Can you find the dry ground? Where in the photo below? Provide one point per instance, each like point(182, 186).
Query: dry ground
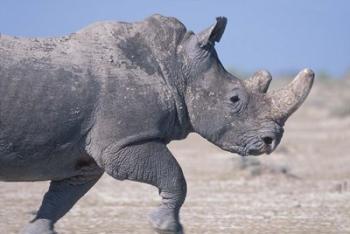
point(304, 187)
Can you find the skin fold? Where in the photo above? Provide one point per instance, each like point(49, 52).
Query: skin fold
point(110, 97)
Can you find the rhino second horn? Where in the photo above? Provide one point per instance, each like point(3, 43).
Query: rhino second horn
point(288, 99)
point(259, 82)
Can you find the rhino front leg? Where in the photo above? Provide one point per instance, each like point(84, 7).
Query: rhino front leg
point(153, 163)
point(60, 198)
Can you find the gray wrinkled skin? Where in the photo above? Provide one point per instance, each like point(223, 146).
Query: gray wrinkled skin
point(111, 96)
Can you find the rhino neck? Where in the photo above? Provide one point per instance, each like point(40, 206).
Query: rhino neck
point(164, 34)
point(176, 83)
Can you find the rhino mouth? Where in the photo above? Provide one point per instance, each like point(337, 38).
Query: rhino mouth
point(258, 148)
point(240, 150)
point(254, 152)
point(257, 152)
point(247, 150)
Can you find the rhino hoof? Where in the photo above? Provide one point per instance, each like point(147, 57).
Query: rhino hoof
point(164, 222)
point(39, 226)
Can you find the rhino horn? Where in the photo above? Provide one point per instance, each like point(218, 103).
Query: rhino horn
point(259, 82)
point(288, 99)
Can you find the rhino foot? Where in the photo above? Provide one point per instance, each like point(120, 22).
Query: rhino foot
point(39, 226)
point(165, 221)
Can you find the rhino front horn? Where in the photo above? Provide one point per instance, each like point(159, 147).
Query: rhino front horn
point(288, 99)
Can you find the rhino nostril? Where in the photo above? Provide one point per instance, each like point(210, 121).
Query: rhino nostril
point(267, 140)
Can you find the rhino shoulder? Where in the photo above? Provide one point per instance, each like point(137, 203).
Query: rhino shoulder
point(168, 21)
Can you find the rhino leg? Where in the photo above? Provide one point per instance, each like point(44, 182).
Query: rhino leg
point(60, 198)
point(152, 163)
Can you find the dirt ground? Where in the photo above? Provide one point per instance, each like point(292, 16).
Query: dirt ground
point(303, 187)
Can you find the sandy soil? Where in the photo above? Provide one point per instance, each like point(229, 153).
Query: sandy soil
point(303, 187)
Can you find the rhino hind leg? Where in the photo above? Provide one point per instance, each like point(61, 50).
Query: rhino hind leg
point(152, 163)
point(58, 200)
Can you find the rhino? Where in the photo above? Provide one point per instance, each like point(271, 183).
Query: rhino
point(110, 97)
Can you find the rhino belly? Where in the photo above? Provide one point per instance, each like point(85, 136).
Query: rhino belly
point(57, 165)
point(43, 154)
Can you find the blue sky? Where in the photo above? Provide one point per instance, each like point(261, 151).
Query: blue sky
point(278, 35)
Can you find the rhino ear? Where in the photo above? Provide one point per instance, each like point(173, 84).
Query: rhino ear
point(214, 33)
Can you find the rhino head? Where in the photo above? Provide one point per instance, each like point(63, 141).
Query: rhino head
point(239, 116)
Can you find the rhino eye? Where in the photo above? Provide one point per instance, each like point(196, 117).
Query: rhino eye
point(234, 99)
